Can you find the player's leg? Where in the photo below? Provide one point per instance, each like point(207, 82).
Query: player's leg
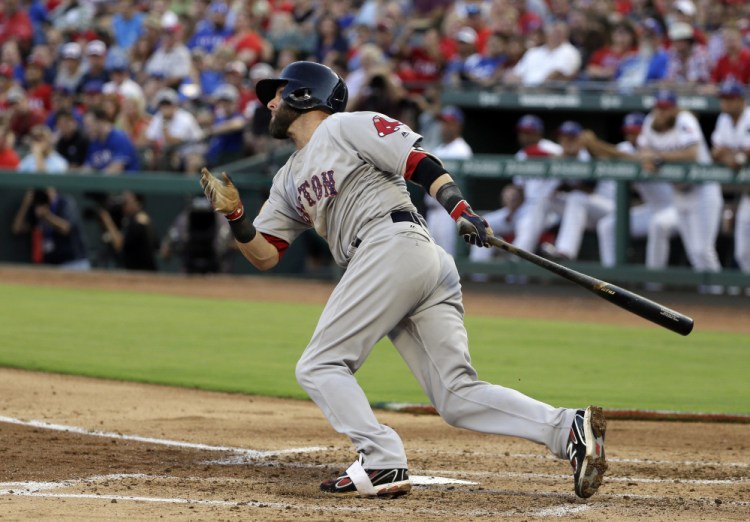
point(531, 222)
point(742, 234)
point(661, 228)
point(700, 218)
point(382, 284)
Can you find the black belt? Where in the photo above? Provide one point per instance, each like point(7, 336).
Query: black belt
point(398, 216)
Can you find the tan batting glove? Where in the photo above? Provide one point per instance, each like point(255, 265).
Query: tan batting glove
point(222, 193)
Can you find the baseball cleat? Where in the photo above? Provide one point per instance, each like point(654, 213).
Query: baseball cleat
point(586, 450)
point(383, 483)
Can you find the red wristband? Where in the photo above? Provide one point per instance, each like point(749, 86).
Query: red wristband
point(236, 214)
point(458, 209)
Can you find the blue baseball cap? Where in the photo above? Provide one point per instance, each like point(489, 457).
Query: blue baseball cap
point(665, 98)
point(530, 123)
point(570, 128)
point(633, 122)
point(451, 113)
point(731, 89)
point(650, 24)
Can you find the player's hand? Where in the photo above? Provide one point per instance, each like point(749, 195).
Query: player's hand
point(222, 193)
point(473, 228)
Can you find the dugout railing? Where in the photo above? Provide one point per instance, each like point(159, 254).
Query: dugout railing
point(481, 178)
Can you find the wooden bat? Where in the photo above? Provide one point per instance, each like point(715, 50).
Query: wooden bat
point(632, 302)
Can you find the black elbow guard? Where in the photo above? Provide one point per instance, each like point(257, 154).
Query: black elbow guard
point(427, 171)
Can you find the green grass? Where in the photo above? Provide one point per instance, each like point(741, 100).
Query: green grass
point(251, 347)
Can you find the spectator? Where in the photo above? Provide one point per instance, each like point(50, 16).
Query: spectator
point(43, 158)
point(134, 120)
point(235, 74)
point(735, 61)
point(452, 147)
point(110, 150)
point(22, 117)
point(38, 92)
point(55, 226)
point(246, 41)
point(134, 241)
point(213, 34)
point(670, 134)
point(605, 61)
point(684, 11)
point(583, 205)
point(227, 132)
point(174, 134)
point(421, 60)
point(71, 69)
point(172, 58)
point(371, 62)
point(649, 64)
point(731, 147)
point(556, 60)
point(15, 24)
point(96, 73)
point(486, 69)
point(330, 39)
point(688, 60)
point(6, 83)
point(120, 82)
point(63, 99)
point(127, 24)
point(92, 95)
point(72, 143)
point(535, 215)
point(456, 70)
point(9, 159)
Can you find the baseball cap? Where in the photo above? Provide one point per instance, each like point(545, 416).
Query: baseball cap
point(665, 98)
point(261, 71)
point(473, 9)
point(166, 96)
point(530, 123)
point(226, 92)
point(451, 113)
point(118, 63)
point(651, 25)
point(71, 51)
point(570, 128)
point(15, 94)
point(686, 7)
point(219, 8)
point(96, 48)
point(731, 89)
point(170, 22)
point(236, 66)
point(633, 122)
point(93, 87)
point(681, 31)
point(466, 35)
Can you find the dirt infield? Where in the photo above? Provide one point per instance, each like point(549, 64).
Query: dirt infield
point(75, 448)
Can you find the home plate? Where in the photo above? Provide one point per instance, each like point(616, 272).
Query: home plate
point(421, 480)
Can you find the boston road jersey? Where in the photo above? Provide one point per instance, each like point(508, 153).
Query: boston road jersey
point(349, 173)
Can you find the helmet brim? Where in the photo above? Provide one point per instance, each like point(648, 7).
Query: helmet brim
point(266, 89)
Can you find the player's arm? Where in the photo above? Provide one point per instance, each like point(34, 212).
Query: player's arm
point(426, 170)
point(602, 149)
point(225, 199)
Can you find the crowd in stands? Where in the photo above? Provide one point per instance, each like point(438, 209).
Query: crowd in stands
point(121, 86)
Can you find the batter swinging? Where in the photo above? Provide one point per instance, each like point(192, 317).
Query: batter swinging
point(347, 181)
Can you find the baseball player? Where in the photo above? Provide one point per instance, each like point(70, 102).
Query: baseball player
point(655, 218)
point(452, 147)
point(731, 146)
point(672, 134)
point(538, 193)
point(347, 180)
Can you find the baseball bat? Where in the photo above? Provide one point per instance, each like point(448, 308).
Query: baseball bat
point(632, 302)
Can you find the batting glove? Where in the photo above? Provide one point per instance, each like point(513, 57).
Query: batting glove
point(472, 227)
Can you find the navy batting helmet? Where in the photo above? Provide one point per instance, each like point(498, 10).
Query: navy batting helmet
point(308, 85)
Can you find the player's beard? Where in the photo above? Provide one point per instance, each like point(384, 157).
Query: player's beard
point(280, 122)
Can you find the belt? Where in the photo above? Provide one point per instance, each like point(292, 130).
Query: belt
point(398, 216)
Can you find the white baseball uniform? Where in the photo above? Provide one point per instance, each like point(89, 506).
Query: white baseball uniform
point(699, 205)
point(736, 136)
point(655, 219)
point(441, 224)
point(538, 194)
point(348, 184)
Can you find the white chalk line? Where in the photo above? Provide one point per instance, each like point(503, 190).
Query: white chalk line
point(164, 442)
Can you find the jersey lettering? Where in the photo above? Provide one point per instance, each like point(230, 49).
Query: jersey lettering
point(385, 126)
point(319, 187)
point(302, 189)
point(329, 183)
